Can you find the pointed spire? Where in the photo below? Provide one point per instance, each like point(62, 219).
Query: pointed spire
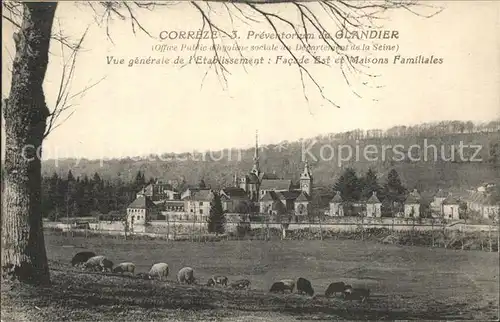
point(256, 168)
point(307, 171)
point(256, 153)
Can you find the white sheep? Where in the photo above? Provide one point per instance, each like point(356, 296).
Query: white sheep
point(159, 270)
point(122, 268)
point(289, 284)
point(186, 275)
point(93, 263)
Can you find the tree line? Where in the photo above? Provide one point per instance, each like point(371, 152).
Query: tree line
point(358, 189)
point(71, 196)
point(424, 129)
point(354, 188)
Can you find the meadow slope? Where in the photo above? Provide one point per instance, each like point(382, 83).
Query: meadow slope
point(406, 282)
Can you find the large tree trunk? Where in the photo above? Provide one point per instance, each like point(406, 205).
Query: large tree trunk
point(23, 248)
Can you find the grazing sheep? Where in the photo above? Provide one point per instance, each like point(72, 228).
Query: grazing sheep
point(93, 263)
point(81, 257)
point(122, 268)
point(159, 270)
point(217, 280)
point(278, 287)
point(240, 284)
point(289, 284)
point(335, 288)
point(361, 294)
point(186, 275)
point(304, 286)
point(106, 265)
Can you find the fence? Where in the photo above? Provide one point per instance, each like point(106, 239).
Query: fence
point(458, 235)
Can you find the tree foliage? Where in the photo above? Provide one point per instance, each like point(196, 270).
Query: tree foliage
point(216, 219)
point(393, 188)
point(370, 185)
point(72, 197)
point(349, 185)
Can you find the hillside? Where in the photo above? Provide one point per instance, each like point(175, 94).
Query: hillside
point(417, 169)
point(406, 283)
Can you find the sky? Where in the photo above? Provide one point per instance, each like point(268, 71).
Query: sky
point(180, 108)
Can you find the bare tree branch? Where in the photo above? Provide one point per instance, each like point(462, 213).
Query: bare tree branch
point(64, 96)
point(347, 15)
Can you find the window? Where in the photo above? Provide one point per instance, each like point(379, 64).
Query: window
point(201, 211)
point(201, 203)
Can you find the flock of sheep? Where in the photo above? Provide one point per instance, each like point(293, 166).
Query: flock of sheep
point(91, 261)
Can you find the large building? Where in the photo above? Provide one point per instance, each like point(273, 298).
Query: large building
point(275, 195)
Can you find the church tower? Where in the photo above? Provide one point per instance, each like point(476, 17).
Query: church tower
point(256, 167)
point(306, 179)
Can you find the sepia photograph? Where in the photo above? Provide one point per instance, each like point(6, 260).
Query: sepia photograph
point(250, 160)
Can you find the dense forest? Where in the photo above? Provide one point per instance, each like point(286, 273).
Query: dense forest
point(83, 196)
point(445, 171)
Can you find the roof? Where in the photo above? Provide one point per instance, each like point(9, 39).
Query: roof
point(415, 194)
point(269, 196)
point(411, 199)
point(268, 176)
point(387, 202)
point(174, 203)
point(289, 195)
point(303, 197)
point(200, 195)
point(337, 198)
point(278, 206)
point(142, 202)
point(441, 194)
point(191, 189)
point(450, 201)
point(234, 192)
point(373, 199)
point(148, 189)
point(275, 184)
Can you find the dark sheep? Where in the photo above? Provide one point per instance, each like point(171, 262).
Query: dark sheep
point(304, 286)
point(106, 265)
point(218, 280)
point(334, 288)
point(360, 294)
point(278, 287)
point(240, 284)
point(81, 258)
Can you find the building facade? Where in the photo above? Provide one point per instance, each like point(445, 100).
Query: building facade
point(272, 194)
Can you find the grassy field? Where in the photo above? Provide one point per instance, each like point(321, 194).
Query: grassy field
point(406, 282)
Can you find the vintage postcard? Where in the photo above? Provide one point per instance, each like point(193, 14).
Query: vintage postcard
point(265, 160)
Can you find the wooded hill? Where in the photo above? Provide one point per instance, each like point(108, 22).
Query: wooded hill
point(285, 159)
